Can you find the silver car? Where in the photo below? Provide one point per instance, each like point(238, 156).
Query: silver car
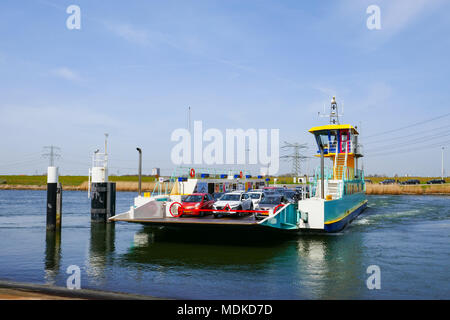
point(236, 200)
point(268, 203)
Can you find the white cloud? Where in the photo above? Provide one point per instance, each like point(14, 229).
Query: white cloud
point(66, 73)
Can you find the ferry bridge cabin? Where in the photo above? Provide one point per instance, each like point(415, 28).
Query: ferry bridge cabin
point(340, 144)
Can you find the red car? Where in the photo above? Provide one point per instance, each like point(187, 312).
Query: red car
point(194, 203)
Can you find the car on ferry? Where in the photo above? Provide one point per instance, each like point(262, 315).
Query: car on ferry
point(195, 204)
point(217, 195)
point(273, 189)
point(256, 196)
point(236, 200)
point(269, 204)
point(291, 196)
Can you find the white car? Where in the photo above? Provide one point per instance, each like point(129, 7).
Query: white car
point(236, 200)
point(256, 197)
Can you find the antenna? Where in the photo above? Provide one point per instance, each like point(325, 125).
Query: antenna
point(51, 154)
point(334, 112)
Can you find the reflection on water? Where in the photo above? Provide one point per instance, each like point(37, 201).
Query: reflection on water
point(203, 249)
point(52, 255)
point(318, 266)
point(331, 263)
point(101, 248)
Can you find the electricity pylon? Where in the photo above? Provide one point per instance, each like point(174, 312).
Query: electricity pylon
point(52, 154)
point(294, 154)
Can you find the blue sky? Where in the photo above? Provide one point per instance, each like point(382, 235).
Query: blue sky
point(134, 67)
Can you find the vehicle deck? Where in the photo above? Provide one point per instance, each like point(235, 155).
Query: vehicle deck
point(209, 220)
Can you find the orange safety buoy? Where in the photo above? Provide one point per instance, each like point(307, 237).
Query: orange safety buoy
point(192, 173)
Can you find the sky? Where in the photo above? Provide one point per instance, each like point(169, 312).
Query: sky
point(134, 67)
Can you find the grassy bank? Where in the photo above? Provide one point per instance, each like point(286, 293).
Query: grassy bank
point(423, 180)
point(65, 180)
point(408, 189)
point(41, 180)
point(130, 183)
point(23, 182)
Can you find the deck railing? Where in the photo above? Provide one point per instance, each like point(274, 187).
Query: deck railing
point(286, 218)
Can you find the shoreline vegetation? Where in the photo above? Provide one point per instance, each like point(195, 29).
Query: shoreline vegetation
point(130, 183)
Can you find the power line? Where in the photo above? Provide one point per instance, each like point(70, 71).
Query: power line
point(414, 141)
point(408, 126)
point(411, 134)
point(413, 149)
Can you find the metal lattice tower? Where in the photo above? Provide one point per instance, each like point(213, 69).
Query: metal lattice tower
point(51, 154)
point(294, 155)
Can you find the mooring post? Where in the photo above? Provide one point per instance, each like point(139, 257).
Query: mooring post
point(103, 201)
point(110, 200)
point(53, 221)
point(59, 205)
point(103, 193)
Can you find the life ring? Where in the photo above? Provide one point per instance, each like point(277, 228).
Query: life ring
point(240, 174)
point(179, 210)
point(192, 173)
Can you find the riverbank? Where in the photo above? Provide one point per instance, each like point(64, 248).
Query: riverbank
point(395, 189)
point(10, 290)
point(130, 184)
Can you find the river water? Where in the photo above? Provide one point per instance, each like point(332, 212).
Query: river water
point(407, 237)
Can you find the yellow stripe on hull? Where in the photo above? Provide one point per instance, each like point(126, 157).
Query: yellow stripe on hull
point(350, 211)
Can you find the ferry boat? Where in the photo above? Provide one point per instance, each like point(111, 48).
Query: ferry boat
point(335, 197)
